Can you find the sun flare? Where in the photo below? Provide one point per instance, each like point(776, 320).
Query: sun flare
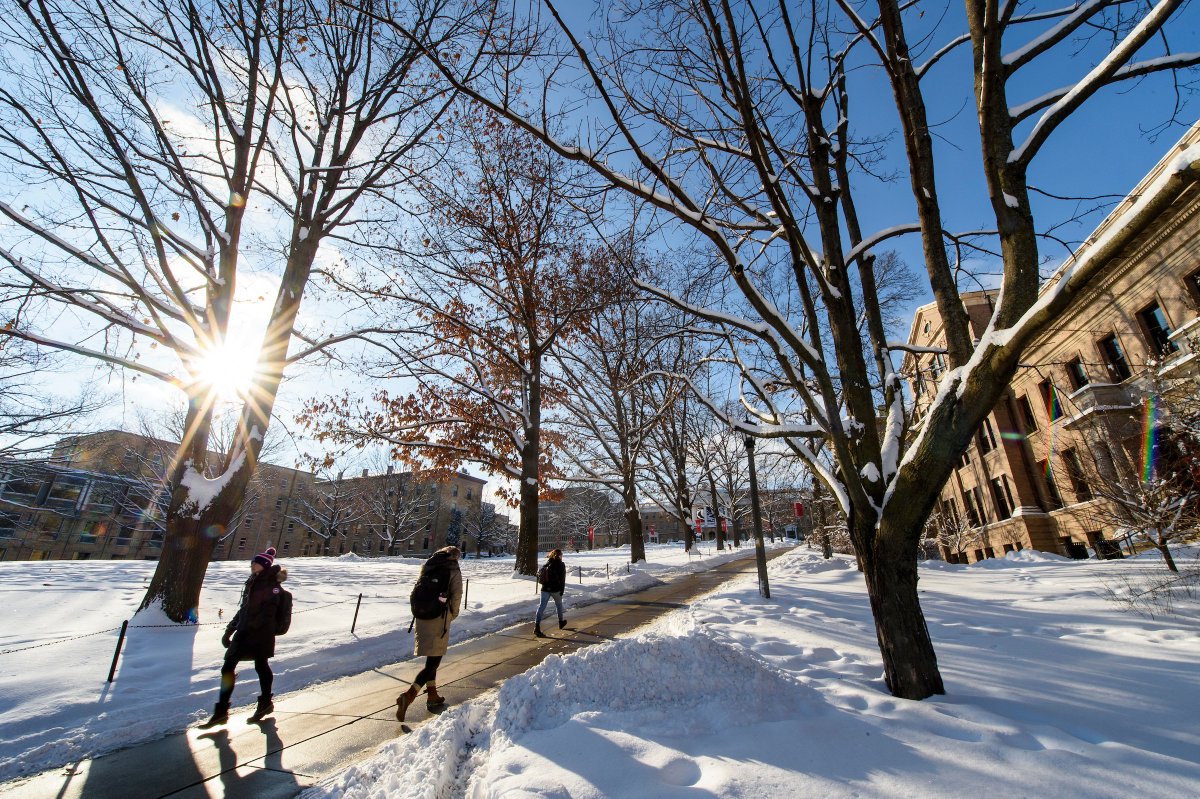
point(228, 370)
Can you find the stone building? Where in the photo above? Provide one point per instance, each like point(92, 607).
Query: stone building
point(102, 496)
point(1074, 412)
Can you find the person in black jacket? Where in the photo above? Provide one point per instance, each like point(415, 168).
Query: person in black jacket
point(250, 635)
point(553, 577)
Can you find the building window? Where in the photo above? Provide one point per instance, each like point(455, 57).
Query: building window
point(1075, 473)
point(1076, 374)
point(454, 490)
point(1193, 285)
point(468, 493)
point(1003, 497)
point(1051, 488)
point(279, 503)
point(939, 366)
point(291, 527)
point(1027, 416)
point(1156, 329)
point(1114, 358)
point(972, 511)
point(283, 482)
point(286, 546)
point(964, 460)
point(1050, 399)
point(241, 545)
point(986, 438)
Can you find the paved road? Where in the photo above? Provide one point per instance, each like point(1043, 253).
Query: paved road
point(323, 729)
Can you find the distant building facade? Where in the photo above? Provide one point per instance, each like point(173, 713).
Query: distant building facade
point(103, 496)
point(1074, 407)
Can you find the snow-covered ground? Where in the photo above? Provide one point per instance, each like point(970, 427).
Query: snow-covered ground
point(1052, 691)
point(59, 623)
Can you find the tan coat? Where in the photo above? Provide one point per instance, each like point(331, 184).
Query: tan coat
point(432, 636)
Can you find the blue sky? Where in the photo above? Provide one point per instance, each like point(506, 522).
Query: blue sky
point(1103, 150)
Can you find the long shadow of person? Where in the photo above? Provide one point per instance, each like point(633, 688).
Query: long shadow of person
point(244, 772)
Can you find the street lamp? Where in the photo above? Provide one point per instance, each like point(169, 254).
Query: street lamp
point(760, 549)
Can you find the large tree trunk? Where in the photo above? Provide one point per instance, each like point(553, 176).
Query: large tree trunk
point(909, 663)
point(633, 517)
point(192, 533)
point(527, 535)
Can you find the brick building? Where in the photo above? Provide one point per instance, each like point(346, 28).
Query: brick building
point(102, 496)
point(1074, 410)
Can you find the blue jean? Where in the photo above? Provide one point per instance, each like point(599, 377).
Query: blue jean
point(546, 597)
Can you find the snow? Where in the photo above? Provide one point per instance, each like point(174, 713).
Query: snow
point(61, 621)
point(870, 473)
point(1053, 691)
point(201, 490)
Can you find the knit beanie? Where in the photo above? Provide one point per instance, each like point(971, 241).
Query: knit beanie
point(265, 559)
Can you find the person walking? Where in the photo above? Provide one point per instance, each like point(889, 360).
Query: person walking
point(264, 610)
point(435, 600)
point(553, 579)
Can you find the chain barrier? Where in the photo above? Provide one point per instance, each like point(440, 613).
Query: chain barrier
point(376, 598)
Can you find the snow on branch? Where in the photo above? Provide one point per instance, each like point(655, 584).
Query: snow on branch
point(1137, 70)
point(1099, 76)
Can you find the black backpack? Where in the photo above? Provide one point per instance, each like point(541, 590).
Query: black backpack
point(543, 574)
point(283, 612)
point(428, 597)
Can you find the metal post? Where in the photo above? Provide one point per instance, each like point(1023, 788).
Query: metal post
point(607, 572)
point(120, 640)
point(356, 607)
point(581, 575)
point(760, 550)
point(466, 591)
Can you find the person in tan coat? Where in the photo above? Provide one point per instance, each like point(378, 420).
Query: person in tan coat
point(441, 581)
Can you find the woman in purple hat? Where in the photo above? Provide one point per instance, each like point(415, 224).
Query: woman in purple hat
point(250, 635)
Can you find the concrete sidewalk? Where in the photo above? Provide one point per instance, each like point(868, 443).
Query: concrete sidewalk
point(322, 729)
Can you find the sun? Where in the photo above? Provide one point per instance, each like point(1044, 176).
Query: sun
point(228, 370)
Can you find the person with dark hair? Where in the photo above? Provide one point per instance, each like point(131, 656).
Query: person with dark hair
point(435, 600)
point(553, 579)
point(250, 634)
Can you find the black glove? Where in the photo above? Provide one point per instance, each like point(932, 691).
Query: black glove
point(227, 639)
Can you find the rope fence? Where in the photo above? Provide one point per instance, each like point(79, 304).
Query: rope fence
point(359, 600)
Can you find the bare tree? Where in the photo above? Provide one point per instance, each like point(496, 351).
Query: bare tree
point(508, 279)
point(1152, 494)
point(952, 533)
point(733, 118)
point(310, 116)
point(400, 507)
point(616, 390)
point(488, 529)
point(329, 511)
point(30, 416)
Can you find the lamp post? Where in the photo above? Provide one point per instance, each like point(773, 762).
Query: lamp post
point(760, 549)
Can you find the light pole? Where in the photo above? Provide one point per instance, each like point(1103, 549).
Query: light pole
point(760, 549)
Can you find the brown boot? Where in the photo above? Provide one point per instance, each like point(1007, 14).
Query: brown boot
point(404, 700)
point(434, 700)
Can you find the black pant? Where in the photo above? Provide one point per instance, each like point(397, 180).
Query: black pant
point(229, 675)
point(429, 673)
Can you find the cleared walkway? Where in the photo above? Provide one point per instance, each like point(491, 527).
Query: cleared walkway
point(323, 729)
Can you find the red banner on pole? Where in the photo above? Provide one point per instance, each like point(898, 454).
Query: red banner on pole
point(799, 510)
point(591, 534)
